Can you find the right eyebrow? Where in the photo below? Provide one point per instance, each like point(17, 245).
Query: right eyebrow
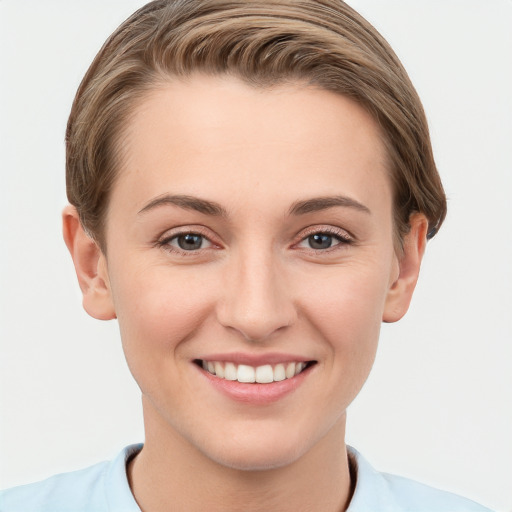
point(186, 202)
point(317, 204)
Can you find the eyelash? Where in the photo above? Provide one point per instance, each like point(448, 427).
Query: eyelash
point(165, 243)
point(342, 237)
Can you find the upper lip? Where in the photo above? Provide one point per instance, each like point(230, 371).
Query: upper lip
point(255, 359)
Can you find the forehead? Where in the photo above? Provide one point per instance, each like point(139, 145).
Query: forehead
point(217, 134)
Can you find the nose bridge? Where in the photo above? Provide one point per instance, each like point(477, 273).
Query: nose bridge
point(256, 301)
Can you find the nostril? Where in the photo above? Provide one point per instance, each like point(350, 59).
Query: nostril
point(257, 309)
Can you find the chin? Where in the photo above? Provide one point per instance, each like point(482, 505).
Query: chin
point(256, 459)
point(257, 452)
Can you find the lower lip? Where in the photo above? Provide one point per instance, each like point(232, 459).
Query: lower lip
point(254, 393)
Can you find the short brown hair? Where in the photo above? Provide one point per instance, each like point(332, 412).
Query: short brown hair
point(324, 43)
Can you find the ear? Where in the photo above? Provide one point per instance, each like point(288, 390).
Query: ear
point(401, 290)
point(90, 265)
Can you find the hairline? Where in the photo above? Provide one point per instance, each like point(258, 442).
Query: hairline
point(161, 79)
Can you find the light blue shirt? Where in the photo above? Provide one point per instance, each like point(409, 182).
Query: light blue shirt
point(104, 488)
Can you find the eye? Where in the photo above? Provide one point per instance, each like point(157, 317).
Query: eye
point(323, 240)
point(188, 242)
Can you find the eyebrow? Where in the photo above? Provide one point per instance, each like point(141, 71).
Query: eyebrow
point(212, 208)
point(323, 203)
point(188, 203)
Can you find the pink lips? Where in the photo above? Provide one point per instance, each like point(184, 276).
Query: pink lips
point(254, 393)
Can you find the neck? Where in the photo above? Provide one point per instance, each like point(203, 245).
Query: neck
point(169, 472)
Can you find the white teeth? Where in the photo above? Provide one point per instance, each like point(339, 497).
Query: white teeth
point(290, 370)
point(279, 372)
point(219, 370)
point(230, 371)
point(246, 373)
point(264, 374)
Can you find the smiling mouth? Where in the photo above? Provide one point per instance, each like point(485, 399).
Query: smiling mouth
point(264, 374)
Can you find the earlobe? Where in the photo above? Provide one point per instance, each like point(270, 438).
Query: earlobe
point(90, 266)
point(401, 290)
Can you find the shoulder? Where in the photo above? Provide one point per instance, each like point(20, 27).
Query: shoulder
point(391, 493)
point(68, 491)
point(97, 488)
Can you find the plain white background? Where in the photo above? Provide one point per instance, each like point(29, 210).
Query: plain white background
point(438, 405)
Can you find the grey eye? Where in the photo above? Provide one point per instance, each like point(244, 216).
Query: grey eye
point(320, 241)
point(189, 242)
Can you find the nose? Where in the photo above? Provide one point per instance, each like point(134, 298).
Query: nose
point(256, 299)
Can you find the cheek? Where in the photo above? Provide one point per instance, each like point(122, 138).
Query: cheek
point(158, 308)
point(347, 300)
point(345, 308)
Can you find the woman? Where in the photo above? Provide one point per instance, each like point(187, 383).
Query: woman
point(252, 188)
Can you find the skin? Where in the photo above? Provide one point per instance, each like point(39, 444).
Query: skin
point(255, 286)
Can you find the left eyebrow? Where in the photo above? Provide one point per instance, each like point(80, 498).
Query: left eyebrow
point(317, 204)
point(187, 203)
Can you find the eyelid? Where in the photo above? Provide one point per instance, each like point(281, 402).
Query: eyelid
point(170, 234)
point(343, 235)
point(175, 238)
point(328, 230)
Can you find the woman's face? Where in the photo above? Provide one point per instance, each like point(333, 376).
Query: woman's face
point(250, 231)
